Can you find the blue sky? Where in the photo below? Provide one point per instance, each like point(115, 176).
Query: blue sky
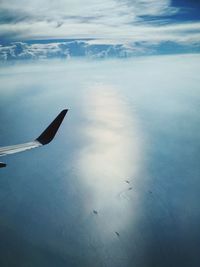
point(106, 21)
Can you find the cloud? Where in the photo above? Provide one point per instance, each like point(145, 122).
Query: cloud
point(151, 7)
point(92, 48)
point(138, 21)
point(179, 32)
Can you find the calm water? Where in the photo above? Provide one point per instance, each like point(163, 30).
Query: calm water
point(128, 149)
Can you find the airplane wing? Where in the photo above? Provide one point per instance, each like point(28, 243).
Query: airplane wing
point(45, 138)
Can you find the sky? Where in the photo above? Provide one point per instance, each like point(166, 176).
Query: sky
point(113, 21)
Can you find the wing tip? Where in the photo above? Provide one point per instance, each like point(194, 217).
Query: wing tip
point(64, 111)
point(49, 133)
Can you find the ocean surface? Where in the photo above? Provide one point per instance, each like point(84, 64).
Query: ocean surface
point(120, 184)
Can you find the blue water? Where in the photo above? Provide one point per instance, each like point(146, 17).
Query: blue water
point(129, 148)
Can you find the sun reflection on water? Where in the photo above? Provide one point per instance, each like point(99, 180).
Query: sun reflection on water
point(111, 155)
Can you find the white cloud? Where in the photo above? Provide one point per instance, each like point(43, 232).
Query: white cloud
point(180, 32)
point(110, 19)
point(151, 7)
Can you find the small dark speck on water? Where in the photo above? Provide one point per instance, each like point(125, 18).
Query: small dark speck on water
point(95, 212)
point(117, 233)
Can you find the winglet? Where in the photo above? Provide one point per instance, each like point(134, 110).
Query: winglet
point(49, 133)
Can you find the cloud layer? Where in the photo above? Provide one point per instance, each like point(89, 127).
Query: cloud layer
point(93, 48)
point(149, 21)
